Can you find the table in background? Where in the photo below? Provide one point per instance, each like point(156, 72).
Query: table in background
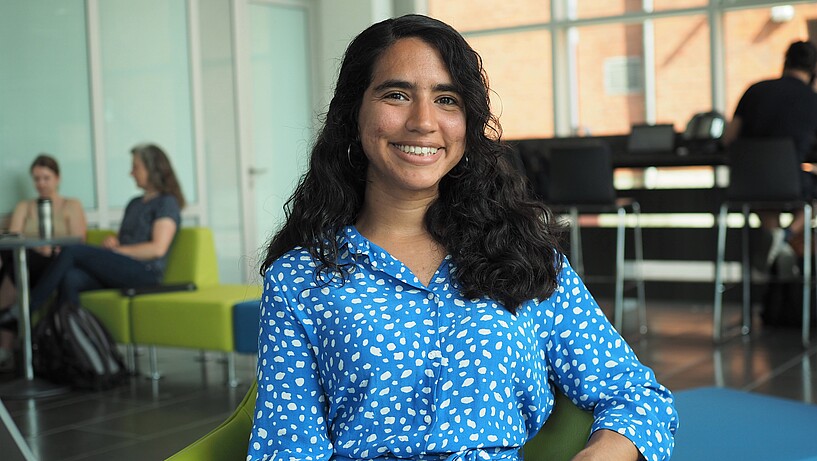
point(28, 386)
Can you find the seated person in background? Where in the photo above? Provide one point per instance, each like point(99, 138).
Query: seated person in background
point(136, 258)
point(416, 305)
point(783, 107)
point(68, 221)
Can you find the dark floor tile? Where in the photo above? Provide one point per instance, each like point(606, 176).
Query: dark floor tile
point(64, 445)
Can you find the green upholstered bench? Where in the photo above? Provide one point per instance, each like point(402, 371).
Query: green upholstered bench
point(198, 319)
point(563, 435)
point(192, 259)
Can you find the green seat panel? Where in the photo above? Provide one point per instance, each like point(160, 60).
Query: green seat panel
point(200, 319)
point(112, 309)
point(563, 435)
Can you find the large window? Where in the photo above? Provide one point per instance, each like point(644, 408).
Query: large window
point(683, 82)
point(519, 72)
point(621, 62)
point(44, 93)
point(756, 41)
point(146, 89)
point(610, 78)
point(489, 14)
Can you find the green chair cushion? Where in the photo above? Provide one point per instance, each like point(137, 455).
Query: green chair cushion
point(200, 319)
point(228, 441)
point(564, 434)
point(112, 309)
point(192, 258)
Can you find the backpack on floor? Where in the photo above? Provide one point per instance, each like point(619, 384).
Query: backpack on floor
point(71, 346)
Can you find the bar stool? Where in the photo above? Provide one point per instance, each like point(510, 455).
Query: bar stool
point(581, 182)
point(764, 175)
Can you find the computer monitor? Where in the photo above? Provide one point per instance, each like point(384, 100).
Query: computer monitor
point(651, 139)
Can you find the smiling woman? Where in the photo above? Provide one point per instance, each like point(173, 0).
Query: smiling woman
point(412, 124)
point(416, 303)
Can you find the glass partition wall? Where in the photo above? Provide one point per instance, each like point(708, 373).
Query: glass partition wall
point(86, 80)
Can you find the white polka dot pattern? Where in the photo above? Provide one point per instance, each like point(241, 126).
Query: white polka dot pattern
point(384, 367)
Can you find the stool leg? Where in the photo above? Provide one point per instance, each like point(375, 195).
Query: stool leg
point(639, 272)
point(154, 368)
point(130, 358)
point(807, 257)
point(618, 309)
point(717, 319)
point(232, 380)
point(746, 272)
point(576, 243)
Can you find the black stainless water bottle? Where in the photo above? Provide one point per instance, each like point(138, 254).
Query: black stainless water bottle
point(44, 213)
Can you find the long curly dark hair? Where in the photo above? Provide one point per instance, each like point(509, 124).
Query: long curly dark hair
point(501, 240)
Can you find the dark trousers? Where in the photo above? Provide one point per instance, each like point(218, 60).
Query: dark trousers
point(81, 268)
point(36, 263)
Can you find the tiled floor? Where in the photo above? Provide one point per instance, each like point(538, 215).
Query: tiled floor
point(148, 420)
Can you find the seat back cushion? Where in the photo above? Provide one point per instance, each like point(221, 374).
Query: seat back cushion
point(192, 258)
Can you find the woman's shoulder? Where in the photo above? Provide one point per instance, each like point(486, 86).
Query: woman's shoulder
point(73, 204)
point(296, 265)
point(25, 204)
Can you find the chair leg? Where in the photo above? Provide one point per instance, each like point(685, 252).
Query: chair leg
point(807, 258)
point(639, 272)
point(746, 273)
point(577, 259)
point(717, 319)
point(232, 380)
point(618, 307)
point(154, 368)
point(130, 358)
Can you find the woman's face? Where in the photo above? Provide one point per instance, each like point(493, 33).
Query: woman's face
point(139, 172)
point(412, 122)
point(46, 181)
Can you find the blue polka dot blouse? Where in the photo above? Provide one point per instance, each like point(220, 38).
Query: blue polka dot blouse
point(384, 367)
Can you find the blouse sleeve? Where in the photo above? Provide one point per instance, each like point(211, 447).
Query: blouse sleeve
point(593, 365)
point(290, 410)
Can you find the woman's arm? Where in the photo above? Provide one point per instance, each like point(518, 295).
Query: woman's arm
point(18, 218)
point(75, 215)
point(605, 376)
point(605, 444)
point(164, 229)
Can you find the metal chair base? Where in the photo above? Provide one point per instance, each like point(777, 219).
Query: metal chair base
point(578, 262)
point(746, 323)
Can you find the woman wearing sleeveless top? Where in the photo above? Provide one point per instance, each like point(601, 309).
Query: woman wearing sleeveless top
point(68, 220)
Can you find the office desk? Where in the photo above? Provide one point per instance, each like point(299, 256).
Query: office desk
point(667, 159)
point(28, 386)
